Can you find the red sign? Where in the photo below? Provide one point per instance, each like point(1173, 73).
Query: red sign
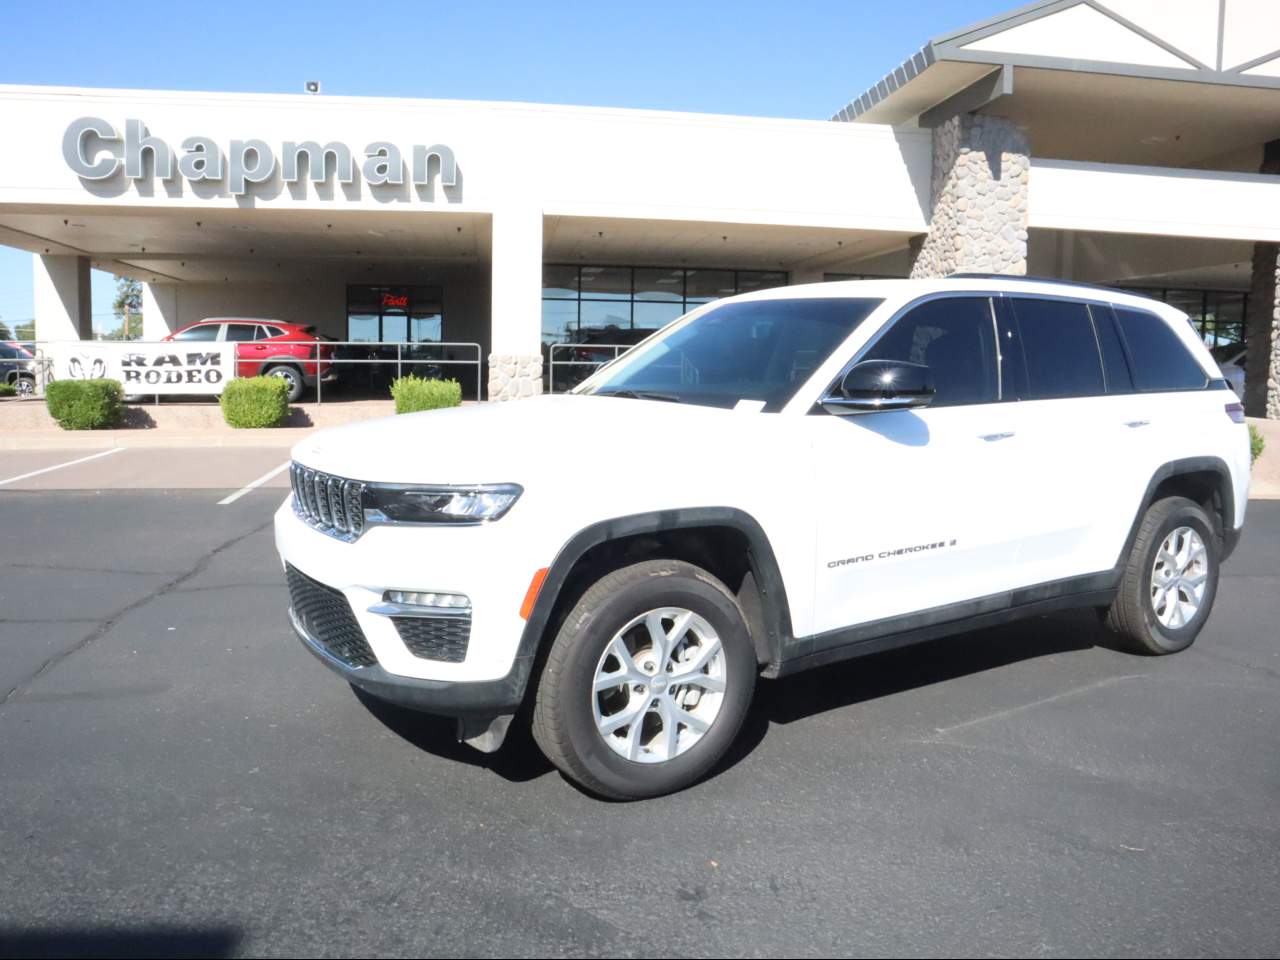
point(391, 300)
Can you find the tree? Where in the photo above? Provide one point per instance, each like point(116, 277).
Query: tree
point(4, 331)
point(127, 306)
point(25, 330)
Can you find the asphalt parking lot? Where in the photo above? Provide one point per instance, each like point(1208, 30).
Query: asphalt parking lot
point(179, 777)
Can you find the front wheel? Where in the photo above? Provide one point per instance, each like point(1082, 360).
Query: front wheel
point(647, 682)
point(291, 376)
point(26, 386)
point(1170, 580)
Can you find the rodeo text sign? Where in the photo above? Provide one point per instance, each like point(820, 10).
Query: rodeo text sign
point(147, 368)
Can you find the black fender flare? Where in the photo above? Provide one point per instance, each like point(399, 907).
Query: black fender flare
point(1176, 468)
point(776, 613)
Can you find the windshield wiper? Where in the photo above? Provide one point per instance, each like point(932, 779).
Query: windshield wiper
point(639, 395)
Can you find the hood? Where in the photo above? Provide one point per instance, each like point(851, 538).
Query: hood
point(505, 442)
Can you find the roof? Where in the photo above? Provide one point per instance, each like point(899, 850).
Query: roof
point(1231, 42)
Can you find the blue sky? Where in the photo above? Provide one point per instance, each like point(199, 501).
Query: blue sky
point(759, 57)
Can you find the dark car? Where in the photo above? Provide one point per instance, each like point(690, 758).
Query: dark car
point(18, 368)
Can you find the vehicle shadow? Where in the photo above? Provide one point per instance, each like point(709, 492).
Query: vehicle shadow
point(115, 941)
point(783, 701)
point(786, 700)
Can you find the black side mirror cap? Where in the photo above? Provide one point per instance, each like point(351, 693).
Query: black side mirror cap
point(874, 385)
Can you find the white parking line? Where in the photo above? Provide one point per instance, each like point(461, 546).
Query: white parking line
point(255, 485)
point(59, 466)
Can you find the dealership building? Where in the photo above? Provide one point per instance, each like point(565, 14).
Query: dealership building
point(1131, 143)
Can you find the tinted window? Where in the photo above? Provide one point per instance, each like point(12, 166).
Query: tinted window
point(1059, 349)
point(206, 331)
point(265, 333)
point(1160, 361)
point(953, 336)
point(760, 350)
point(240, 332)
point(1114, 364)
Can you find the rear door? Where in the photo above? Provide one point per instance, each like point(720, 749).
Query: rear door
point(243, 335)
point(913, 511)
point(1079, 457)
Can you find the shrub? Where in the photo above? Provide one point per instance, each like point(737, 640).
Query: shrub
point(1256, 443)
point(85, 404)
point(413, 394)
point(8, 390)
point(250, 402)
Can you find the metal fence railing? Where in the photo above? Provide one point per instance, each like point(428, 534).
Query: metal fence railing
point(585, 359)
point(29, 364)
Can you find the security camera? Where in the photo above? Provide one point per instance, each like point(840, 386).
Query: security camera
point(312, 86)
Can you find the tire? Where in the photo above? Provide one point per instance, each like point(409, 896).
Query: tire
point(637, 759)
point(1144, 614)
point(292, 376)
point(26, 386)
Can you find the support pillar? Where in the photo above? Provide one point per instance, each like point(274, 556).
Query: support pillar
point(60, 285)
point(1262, 322)
point(159, 310)
point(515, 358)
point(979, 200)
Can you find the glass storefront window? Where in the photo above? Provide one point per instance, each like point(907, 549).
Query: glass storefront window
point(376, 312)
point(595, 303)
point(657, 284)
point(605, 283)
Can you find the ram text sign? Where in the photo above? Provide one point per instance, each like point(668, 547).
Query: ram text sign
point(95, 150)
point(145, 368)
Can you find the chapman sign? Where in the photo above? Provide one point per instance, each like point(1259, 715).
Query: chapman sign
point(96, 150)
point(146, 368)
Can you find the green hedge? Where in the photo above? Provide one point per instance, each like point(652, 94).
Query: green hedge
point(1256, 443)
point(249, 402)
point(85, 404)
point(8, 390)
point(413, 394)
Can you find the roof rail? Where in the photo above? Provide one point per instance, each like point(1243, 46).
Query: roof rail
point(1111, 291)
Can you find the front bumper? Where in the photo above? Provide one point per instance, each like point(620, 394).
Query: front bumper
point(479, 699)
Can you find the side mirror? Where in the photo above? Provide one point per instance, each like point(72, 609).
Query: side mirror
point(881, 385)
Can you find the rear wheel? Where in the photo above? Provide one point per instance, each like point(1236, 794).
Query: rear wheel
point(1170, 581)
point(26, 386)
point(292, 376)
point(647, 682)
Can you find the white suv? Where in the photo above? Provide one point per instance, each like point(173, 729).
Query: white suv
point(774, 482)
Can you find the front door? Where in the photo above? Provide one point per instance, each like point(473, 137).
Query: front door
point(925, 522)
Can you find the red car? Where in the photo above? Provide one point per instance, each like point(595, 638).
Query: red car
point(272, 348)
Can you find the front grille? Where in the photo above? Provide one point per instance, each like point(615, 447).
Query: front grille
point(333, 505)
point(435, 638)
point(327, 617)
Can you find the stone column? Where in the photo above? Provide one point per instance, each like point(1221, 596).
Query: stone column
point(515, 360)
point(60, 285)
point(1262, 322)
point(159, 310)
point(979, 200)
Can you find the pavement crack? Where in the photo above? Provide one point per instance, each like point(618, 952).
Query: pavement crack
point(108, 624)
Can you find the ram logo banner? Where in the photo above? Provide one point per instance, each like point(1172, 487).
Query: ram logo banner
point(146, 368)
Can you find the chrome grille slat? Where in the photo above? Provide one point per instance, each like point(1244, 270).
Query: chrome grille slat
point(331, 504)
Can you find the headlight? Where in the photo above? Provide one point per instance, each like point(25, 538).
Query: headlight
point(387, 503)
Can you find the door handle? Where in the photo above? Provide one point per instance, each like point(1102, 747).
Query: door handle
point(990, 437)
point(1137, 423)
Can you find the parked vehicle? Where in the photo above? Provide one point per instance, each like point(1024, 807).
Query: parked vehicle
point(291, 351)
point(775, 482)
point(18, 368)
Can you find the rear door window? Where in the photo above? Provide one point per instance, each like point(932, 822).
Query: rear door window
point(1059, 349)
point(955, 338)
point(240, 332)
point(1160, 360)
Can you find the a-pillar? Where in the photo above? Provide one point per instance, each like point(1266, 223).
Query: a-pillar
point(978, 223)
point(1262, 323)
point(515, 358)
point(159, 310)
point(60, 285)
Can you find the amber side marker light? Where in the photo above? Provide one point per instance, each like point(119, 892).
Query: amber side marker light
point(531, 595)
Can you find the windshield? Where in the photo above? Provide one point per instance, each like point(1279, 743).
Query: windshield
point(760, 350)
